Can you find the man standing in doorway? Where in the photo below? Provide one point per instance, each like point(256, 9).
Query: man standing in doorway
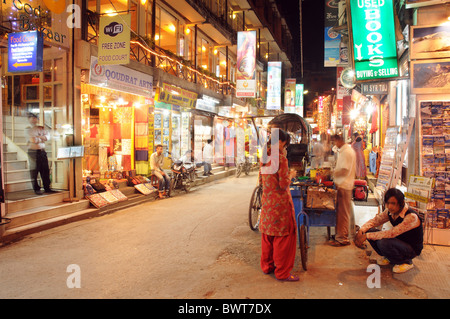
point(208, 155)
point(344, 178)
point(37, 136)
point(156, 164)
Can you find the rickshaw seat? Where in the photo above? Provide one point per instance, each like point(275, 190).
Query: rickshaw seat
point(295, 151)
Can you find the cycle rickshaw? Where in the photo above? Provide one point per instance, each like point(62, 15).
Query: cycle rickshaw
point(307, 213)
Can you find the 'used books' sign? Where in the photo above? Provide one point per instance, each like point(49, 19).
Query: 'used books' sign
point(374, 45)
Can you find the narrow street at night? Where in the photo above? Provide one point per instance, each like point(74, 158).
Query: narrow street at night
point(191, 153)
point(192, 246)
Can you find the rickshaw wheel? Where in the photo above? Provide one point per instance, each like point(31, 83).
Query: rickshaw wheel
point(303, 246)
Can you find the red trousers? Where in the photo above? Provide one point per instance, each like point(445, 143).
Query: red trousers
point(278, 254)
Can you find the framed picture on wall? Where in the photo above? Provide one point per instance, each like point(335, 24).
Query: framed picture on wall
point(430, 76)
point(423, 3)
point(432, 41)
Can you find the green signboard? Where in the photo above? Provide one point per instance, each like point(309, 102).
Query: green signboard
point(374, 44)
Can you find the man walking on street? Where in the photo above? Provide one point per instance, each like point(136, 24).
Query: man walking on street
point(344, 178)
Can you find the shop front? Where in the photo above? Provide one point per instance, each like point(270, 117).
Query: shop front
point(225, 137)
point(429, 86)
point(117, 122)
point(203, 118)
point(173, 120)
point(34, 84)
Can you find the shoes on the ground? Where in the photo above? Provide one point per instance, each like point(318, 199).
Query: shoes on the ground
point(270, 271)
point(399, 269)
point(209, 173)
point(383, 261)
point(50, 191)
point(205, 174)
point(39, 192)
point(336, 243)
point(290, 278)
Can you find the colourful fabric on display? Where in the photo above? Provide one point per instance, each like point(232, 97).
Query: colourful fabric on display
point(141, 155)
point(126, 162)
point(141, 142)
point(142, 168)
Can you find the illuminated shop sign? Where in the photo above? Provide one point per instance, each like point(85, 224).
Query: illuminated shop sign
point(114, 40)
point(47, 16)
point(320, 104)
point(374, 45)
point(25, 52)
point(174, 95)
point(120, 78)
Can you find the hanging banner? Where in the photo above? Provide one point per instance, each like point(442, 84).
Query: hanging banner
point(299, 89)
point(273, 86)
point(289, 95)
point(374, 44)
point(320, 105)
point(341, 90)
point(246, 64)
point(332, 39)
point(114, 40)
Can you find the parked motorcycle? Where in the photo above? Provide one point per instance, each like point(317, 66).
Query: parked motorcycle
point(181, 176)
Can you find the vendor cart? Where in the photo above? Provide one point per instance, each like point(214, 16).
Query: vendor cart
point(315, 206)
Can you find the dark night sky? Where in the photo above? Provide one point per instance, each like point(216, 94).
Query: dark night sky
point(313, 29)
point(313, 39)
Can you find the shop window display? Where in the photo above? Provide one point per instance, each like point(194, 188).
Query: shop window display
point(115, 134)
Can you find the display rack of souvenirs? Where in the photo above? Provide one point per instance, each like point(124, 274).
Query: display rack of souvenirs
point(435, 160)
point(145, 188)
point(109, 197)
point(97, 200)
point(386, 167)
point(119, 195)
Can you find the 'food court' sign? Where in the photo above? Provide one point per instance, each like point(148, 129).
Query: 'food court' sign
point(374, 44)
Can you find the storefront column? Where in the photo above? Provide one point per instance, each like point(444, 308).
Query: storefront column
point(392, 100)
point(76, 182)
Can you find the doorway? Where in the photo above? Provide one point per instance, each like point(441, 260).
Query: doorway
point(45, 95)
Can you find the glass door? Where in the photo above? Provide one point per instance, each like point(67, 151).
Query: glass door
point(43, 95)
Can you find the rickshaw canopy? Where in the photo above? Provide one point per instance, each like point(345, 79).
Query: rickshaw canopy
point(292, 123)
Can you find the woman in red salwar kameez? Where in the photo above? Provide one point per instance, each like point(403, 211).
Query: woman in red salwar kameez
point(277, 221)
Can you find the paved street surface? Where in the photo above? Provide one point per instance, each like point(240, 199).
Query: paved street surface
point(195, 246)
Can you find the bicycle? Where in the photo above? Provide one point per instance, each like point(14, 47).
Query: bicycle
point(243, 167)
